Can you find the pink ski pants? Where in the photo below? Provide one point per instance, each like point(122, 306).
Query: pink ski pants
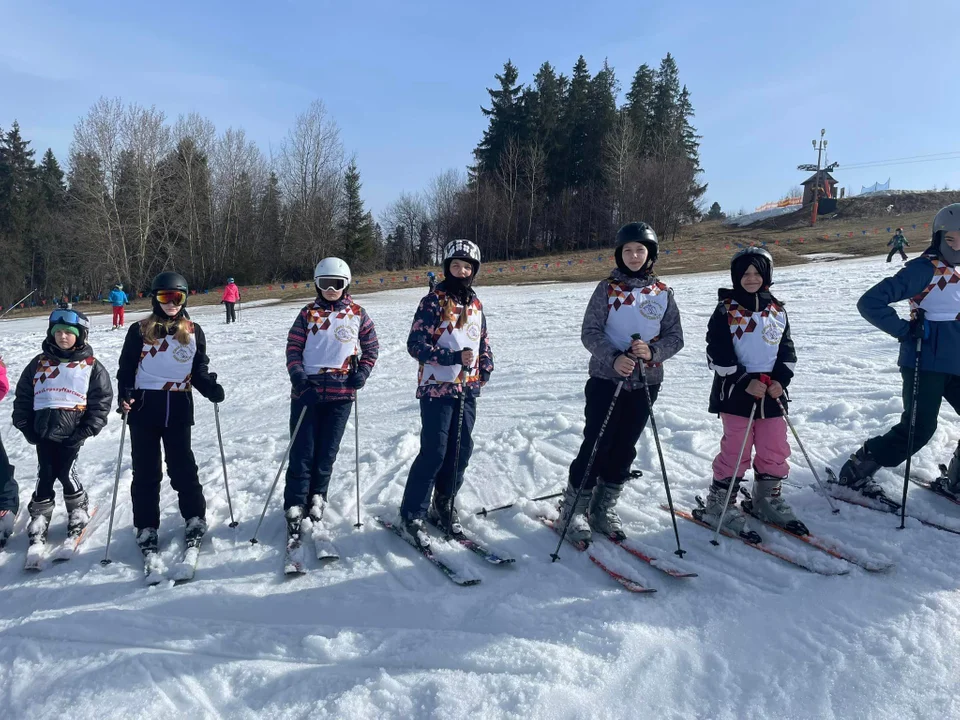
point(768, 440)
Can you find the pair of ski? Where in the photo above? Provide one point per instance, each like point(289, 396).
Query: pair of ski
point(467, 541)
point(822, 544)
point(854, 498)
point(155, 572)
point(294, 559)
point(39, 552)
point(628, 583)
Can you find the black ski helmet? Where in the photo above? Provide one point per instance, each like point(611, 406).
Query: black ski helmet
point(168, 280)
point(756, 256)
point(639, 232)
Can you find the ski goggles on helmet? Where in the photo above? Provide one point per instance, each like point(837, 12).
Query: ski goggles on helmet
point(68, 317)
point(172, 297)
point(330, 283)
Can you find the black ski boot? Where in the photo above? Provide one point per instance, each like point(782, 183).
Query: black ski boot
point(147, 541)
point(857, 474)
point(415, 532)
point(443, 516)
point(194, 531)
point(78, 507)
point(294, 518)
point(41, 512)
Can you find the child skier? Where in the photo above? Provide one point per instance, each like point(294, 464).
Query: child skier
point(9, 490)
point(896, 244)
point(62, 398)
point(331, 350)
point(631, 301)
point(748, 336)
point(163, 357)
point(931, 282)
point(118, 298)
point(432, 281)
point(231, 296)
point(449, 340)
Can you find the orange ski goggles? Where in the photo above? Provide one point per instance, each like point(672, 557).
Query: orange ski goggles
point(172, 297)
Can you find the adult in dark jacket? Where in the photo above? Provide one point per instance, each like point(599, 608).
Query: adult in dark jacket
point(748, 337)
point(931, 283)
point(164, 357)
point(62, 398)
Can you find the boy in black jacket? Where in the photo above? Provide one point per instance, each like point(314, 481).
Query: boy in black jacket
point(63, 397)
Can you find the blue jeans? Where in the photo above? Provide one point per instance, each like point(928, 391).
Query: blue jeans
point(314, 449)
point(438, 446)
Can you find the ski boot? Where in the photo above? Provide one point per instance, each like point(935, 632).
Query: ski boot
point(41, 513)
point(767, 504)
point(602, 513)
point(147, 541)
point(949, 481)
point(153, 567)
point(294, 517)
point(857, 474)
point(734, 521)
point(194, 531)
point(78, 507)
point(316, 504)
point(444, 516)
point(578, 530)
point(414, 531)
point(7, 518)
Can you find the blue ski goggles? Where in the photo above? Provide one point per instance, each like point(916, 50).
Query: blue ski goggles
point(68, 317)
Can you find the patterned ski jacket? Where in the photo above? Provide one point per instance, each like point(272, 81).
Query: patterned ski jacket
point(931, 283)
point(326, 343)
point(160, 377)
point(621, 306)
point(62, 396)
point(744, 343)
point(897, 242)
point(438, 335)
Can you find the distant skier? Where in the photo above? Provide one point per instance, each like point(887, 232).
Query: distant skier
point(449, 340)
point(9, 490)
point(231, 296)
point(331, 350)
point(432, 281)
point(931, 282)
point(164, 356)
point(63, 398)
point(631, 301)
point(748, 335)
point(118, 298)
point(896, 245)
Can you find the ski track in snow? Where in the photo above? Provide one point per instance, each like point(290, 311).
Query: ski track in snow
point(382, 633)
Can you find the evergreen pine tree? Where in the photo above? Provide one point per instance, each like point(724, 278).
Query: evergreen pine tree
point(715, 212)
point(505, 116)
point(639, 105)
point(575, 121)
point(355, 231)
point(666, 96)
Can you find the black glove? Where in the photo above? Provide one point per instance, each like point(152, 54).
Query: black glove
point(306, 392)
point(75, 441)
point(919, 327)
point(356, 379)
point(216, 394)
point(484, 376)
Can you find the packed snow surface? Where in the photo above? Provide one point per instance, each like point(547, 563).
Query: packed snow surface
point(381, 633)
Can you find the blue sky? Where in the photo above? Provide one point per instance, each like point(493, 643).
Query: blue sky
point(405, 80)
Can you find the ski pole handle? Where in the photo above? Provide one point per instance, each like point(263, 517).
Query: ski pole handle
point(765, 379)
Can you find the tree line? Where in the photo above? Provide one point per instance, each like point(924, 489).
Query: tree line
point(559, 167)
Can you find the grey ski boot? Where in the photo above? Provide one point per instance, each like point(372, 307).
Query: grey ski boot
point(949, 481)
point(767, 504)
point(602, 514)
point(734, 522)
point(857, 474)
point(41, 512)
point(579, 528)
point(78, 513)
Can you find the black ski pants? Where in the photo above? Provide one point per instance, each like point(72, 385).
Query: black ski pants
point(890, 449)
point(434, 464)
point(145, 441)
point(618, 446)
point(55, 461)
point(314, 450)
point(9, 490)
point(231, 312)
point(894, 251)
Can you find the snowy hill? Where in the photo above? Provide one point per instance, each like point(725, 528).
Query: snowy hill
point(381, 633)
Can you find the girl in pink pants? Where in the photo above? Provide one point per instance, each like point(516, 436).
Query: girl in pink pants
point(752, 356)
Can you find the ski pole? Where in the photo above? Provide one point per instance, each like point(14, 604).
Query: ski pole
point(736, 471)
point(223, 460)
point(593, 454)
point(17, 303)
point(913, 416)
point(823, 491)
point(483, 512)
point(286, 454)
point(656, 438)
point(116, 486)
point(356, 426)
point(456, 460)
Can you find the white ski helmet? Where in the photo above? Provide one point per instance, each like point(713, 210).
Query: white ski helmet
point(461, 250)
point(332, 267)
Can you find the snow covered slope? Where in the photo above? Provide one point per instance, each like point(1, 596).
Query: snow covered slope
point(381, 633)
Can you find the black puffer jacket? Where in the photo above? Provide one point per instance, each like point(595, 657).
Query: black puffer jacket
point(162, 408)
point(70, 427)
